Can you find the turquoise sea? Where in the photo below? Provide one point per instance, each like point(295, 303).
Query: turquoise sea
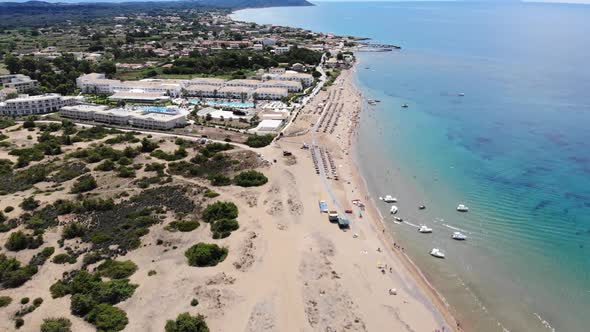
point(515, 148)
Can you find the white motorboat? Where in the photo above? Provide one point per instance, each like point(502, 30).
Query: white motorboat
point(424, 229)
point(389, 199)
point(437, 253)
point(462, 208)
point(405, 106)
point(461, 94)
point(459, 236)
point(393, 209)
point(398, 219)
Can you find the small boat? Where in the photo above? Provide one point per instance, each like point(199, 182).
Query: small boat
point(462, 208)
point(380, 198)
point(389, 199)
point(424, 229)
point(393, 209)
point(437, 253)
point(422, 207)
point(348, 211)
point(459, 236)
point(405, 106)
point(398, 219)
point(461, 94)
point(371, 102)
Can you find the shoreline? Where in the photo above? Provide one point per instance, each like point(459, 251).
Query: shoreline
point(346, 100)
point(359, 182)
point(434, 295)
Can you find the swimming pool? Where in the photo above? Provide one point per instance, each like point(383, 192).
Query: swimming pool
point(157, 109)
point(225, 103)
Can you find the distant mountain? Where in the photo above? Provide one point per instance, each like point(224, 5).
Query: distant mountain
point(233, 4)
point(41, 13)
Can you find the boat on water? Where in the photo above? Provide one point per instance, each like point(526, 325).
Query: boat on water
point(437, 253)
point(398, 219)
point(393, 210)
point(461, 94)
point(462, 208)
point(459, 236)
point(405, 106)
point(424, 229)
point(389, 199)
point(422, 207)
point(371, 102)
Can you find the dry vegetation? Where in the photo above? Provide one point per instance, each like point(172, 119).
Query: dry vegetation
point(80, 199)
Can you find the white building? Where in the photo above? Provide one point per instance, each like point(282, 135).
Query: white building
point(252, 84)
point(31, 105)
point(268, 127)
point(205, 91)
point(206, 81)
point(117, 116)
point(236, 92)
point(139, 97)
point(289, 75)
point(21, 83)
point(271, 93)
point(123, 117)
point(282, 49)
point(81, 112)
point(157, 121)
point(291, 86)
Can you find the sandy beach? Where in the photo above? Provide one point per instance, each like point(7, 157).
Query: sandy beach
point(288, 268)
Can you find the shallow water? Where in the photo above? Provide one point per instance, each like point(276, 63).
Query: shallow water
point(514, 148)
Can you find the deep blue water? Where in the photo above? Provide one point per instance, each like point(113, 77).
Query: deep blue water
point(515, 148)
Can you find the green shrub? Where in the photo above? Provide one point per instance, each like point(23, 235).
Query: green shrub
point(220, 210)
point(37, 302)
point(250, 178)
point(180, 153)
point(91, 258)
point(116, 269)
point(148, 145)
point(106, 166)
point(258, 141)
point(182, 226)
point(5, 301)
point(204, 254)
point(83, 184)
point(8, 209)
point(222, 228)
point(219, 180)
point(29, 204)
point(152, 273)
point(56, 325)
point(40, 258)
point(107, 318)
point(72, 230)
point(194, 302)
point(19, 322)
point(81, 304)
point(155, 167)
point(19, 241)
point(187, 323)
point(24, 300)
point(125, 172)
point(63, 258)
point(12, 274)
point(210, 193)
